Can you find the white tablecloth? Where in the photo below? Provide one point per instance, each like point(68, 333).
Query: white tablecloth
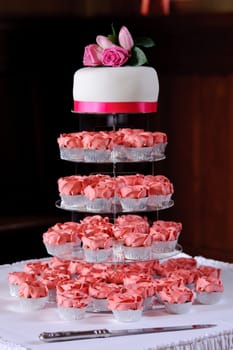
point(20, 331)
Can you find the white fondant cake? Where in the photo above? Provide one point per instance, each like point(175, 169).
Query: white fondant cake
point(115, 90)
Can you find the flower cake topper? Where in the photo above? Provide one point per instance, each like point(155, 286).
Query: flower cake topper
point(116, 51)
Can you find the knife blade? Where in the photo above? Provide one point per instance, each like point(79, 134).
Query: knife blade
point(106, 333)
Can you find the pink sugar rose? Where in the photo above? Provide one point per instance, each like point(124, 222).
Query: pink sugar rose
point(103, 41)
point(114, 56)
point(125, 38)
point(92, 55)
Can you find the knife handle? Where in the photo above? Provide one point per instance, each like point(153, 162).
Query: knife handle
point(73, 335)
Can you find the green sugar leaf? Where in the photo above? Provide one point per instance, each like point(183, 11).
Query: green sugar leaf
point(138, 57)
point(144, 42)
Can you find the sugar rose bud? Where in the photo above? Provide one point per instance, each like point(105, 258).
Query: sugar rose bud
point(92, 55)
point(125, 39)
point(103, 41)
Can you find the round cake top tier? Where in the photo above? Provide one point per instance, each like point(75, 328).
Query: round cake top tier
point(110, 90)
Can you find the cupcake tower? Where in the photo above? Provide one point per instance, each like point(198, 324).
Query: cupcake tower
point(129, 237)
point(115, 85)
point(114, 257)
point(115, 229)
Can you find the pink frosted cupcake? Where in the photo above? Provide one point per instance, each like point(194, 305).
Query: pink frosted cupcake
point(131, 192)
point(132, 232)
point(100, 193)
point(16, 278)
point(72, 300)
point(50, 279)
point(59, 264)
point(133, 145)
point(188, 276)
point(160, 191)
point(99, 292)
point(127, 306)
point(159, 145)
point(167, 283)
point(177, 300)
point(71, 191)
point(36, 267)
point(145, 287)
point(165, 235)
point(132, 197)
point(209, 271)
point(97, 247)
point(62, 239)
point(168, 266)
point(70, 146)
point(32, 295)
point(137, 246)
point(96, 145)
point(208, 289)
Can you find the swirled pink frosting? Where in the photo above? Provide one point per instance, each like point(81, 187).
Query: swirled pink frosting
point(168, 282)
point(99, 271)
point(77, 300)
point(209, 271)
point(132, 219)
point(36, 267)
point(129, 180)
point(72, 185)
point(19, 277)
point(72, 293)
point(159, 137)
point(125, 224)
point(105, 188)
point(58, 263)
point(51, 277)
point(79, 268)
point(209, 284)
point(125, 301)
point(158, 185)
point(173, 264)
point(71, 140)
point(34, 289)
point(136, 191)
point(137, 277)
point(97, 140)
point(115, 276)
point(101, 290)
point(136, 239)
point(72, 286)
point(100, 240)
point(146, 288)
point(95, 220)
point(102, 140)
point(162, 230)
point(176, 296)
point(62, 233)
point(91, 225)
point(136, 138)
point(188, 276)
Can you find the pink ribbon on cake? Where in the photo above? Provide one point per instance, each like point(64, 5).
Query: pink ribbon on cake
point(115, 107)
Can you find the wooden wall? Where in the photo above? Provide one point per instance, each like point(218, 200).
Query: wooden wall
point(197, 104)
point(194, 59)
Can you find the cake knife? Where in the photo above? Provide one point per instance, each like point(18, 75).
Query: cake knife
point(106, 333)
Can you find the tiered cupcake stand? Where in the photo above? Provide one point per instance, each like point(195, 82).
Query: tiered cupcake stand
point(114, 168)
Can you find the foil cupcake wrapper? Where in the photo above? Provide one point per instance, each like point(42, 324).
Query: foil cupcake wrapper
point(127, 315)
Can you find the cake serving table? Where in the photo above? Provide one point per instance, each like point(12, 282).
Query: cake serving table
point(20, 330)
